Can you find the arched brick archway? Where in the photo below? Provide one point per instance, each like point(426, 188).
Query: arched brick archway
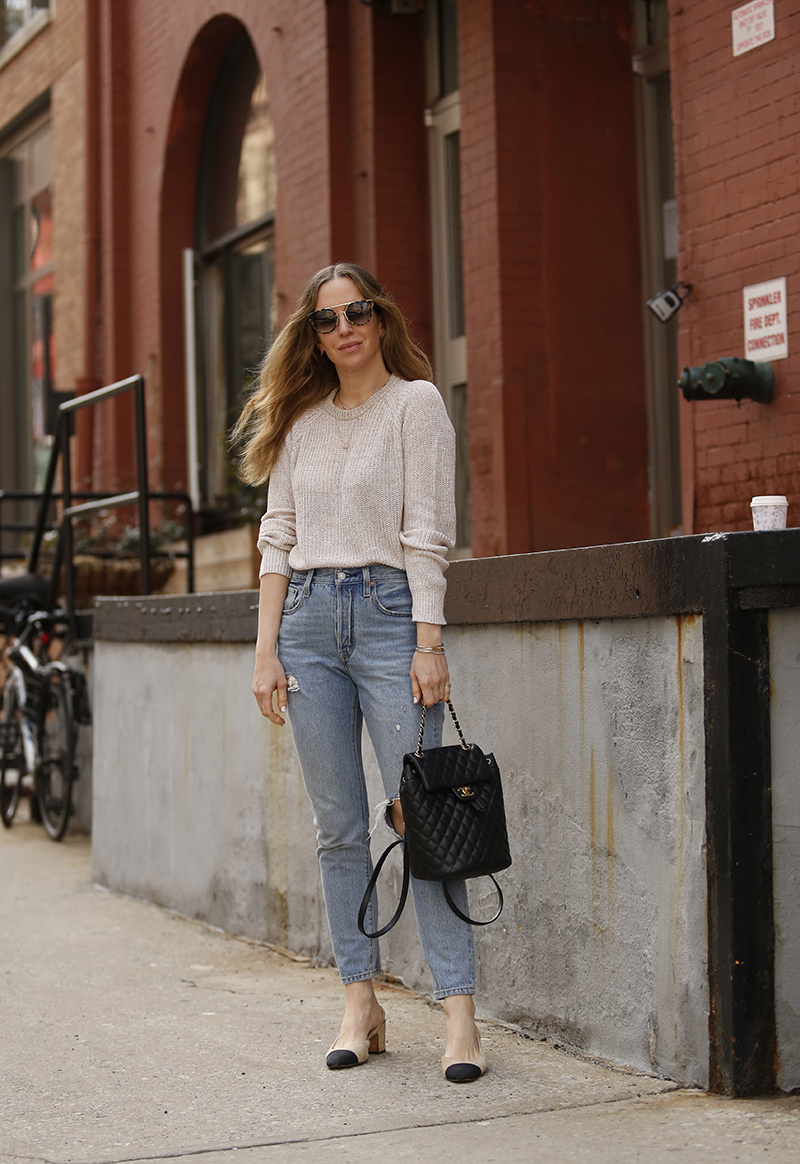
point(177, 225)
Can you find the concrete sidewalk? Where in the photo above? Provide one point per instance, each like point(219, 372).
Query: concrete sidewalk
point(132, 1034)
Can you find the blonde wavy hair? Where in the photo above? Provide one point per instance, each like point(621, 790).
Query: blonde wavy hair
point(295, 374)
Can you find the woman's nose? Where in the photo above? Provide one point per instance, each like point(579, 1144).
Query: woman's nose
point(344, 324)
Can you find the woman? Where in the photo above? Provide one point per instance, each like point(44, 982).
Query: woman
point(359, 453)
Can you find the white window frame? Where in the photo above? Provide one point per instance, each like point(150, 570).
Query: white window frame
point(450, 352)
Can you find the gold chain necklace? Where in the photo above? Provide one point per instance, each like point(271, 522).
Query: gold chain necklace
point(339, 421)
point(344, 443)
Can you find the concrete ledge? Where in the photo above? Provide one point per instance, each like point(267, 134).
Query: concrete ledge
point(632, 580)
point(228, 617)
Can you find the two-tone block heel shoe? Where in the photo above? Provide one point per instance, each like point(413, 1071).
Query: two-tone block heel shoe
point(464, 1071)
point(374, 1044)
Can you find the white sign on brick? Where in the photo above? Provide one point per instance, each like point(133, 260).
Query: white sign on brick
point(765, 336)
point(753, 25)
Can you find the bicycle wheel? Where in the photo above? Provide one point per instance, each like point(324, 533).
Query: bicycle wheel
point(12, 757)
point(55, 769)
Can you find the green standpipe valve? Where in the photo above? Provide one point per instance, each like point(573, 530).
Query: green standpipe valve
point(729, 378)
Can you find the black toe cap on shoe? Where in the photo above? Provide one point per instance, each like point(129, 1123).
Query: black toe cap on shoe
point(463, 1072)
point(337, 1059)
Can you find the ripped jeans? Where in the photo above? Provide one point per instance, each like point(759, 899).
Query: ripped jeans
point(348, 638)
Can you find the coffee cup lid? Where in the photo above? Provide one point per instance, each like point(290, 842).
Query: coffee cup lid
point(770, 499)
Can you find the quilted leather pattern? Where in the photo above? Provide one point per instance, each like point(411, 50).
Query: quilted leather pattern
point(451, 767)
point(451, 836)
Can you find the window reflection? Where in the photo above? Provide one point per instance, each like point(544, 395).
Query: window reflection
point(32, 367)
point(41, 230)
point(257, 184)
point(40, 223)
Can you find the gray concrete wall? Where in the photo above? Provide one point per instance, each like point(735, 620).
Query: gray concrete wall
point(198, 802)
point(598, 731)
point(784, 651)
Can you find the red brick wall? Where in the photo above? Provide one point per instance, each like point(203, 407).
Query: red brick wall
point(737, 126)
point(378, 153)
point(350, 152)
point(552, 271)
point(161, 71)
point(556, 388)
point(400, 183)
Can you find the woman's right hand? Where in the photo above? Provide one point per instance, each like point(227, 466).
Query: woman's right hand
point(269, 677)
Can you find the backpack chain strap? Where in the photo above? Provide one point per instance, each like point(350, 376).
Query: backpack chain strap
point(464, 743)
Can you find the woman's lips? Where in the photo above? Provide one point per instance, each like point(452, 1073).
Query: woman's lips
point(351, 347)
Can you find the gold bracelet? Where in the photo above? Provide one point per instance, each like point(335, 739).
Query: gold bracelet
point(431, 650)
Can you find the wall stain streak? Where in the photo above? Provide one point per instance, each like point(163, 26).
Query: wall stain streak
point(223, 717)
point(560, 691)
point(681, 751)
point(187, 726)
point(677, 917)
point(581, 664)
point(597, 910)
point(581, 770)
point(592, 823)
point(610, 854)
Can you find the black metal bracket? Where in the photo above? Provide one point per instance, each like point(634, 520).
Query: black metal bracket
point(742, 1036)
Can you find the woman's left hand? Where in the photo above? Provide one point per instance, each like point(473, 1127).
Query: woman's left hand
point(430, 678)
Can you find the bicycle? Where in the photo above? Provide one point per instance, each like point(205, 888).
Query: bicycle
point(44, 700)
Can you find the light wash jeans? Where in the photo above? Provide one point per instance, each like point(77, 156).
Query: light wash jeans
point(348, 638)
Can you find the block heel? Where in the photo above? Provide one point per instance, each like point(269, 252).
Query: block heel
point(374, 1044)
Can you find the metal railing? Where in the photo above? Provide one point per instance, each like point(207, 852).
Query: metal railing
point(21, 528)
point(80, 503)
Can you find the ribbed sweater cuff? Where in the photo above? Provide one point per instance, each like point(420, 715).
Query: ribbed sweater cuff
point(428, 608)
point(274, 561)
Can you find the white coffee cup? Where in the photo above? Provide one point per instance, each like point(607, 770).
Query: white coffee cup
point(769, 512)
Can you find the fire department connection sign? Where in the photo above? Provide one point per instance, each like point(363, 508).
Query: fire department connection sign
point(753, 25)
point(765, 336)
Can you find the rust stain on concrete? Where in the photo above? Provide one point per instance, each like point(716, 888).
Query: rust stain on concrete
point(681, 756)
point(592, 816)
point(610, 855)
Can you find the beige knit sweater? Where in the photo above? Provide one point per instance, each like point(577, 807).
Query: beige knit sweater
point(367, 485)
